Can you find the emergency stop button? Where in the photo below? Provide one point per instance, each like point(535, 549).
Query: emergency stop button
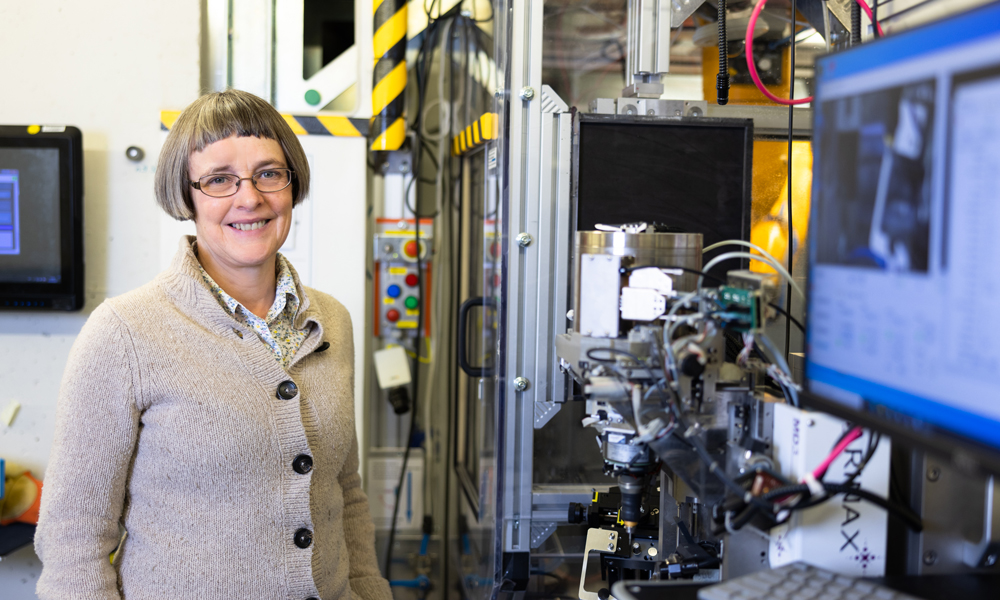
point(392, 315)
point(410, 249)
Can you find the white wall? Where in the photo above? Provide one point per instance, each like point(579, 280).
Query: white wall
point(107, 67)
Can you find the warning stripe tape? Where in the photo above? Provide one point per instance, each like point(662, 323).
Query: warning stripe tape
point(387, 129)
point(481, 131)
point(300, 125)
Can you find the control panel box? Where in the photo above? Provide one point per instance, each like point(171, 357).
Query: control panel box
point(402, 277)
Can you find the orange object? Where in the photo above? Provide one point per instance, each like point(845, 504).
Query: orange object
point(410, 249)
point(23, 499)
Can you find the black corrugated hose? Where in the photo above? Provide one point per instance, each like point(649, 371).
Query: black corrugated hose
point(722, 79)
point(855, 23)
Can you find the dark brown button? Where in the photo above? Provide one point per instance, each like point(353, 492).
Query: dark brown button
point(287, 390)
point(302, 464)
point(323, 347)
point(303, 538)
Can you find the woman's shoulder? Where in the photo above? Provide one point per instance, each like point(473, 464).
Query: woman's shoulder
point(328, 307)
point(137, 305)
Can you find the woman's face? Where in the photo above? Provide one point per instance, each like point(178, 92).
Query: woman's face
point(224, 224)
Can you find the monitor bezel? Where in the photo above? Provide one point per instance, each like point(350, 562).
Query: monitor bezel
point(965, 453)
point(68, 293)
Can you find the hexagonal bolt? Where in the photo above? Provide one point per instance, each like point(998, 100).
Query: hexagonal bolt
point(930, 557)
point(527, 93)
point(523, 239)
point(521, 383)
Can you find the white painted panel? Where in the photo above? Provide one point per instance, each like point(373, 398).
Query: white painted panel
point(339, 242)
point(108, 67)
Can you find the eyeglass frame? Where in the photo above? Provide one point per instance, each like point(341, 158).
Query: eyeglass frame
point(239, 180)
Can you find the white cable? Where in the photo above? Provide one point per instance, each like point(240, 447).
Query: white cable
point(739, 243)
point(728, 255)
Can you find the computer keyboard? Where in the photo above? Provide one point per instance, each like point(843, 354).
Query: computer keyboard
point(799, 581)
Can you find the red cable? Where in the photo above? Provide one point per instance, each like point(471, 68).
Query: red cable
point(753, 67)
point(844, 443)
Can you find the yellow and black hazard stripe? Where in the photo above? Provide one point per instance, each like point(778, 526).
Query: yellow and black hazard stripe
point(481, 131)
point(388, 124)
point(300, 125)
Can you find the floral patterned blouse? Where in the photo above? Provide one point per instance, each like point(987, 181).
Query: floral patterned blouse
point(275, 330)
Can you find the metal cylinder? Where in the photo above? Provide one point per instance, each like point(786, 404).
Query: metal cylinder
point(644, 250)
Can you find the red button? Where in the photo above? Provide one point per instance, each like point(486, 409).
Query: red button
point(410, 249)
point(494, 249)
point(412, 280)
point(392, 315)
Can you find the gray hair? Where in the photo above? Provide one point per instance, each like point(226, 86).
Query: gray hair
point(215, 117)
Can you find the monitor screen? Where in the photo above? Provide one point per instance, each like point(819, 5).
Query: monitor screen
point(690, 174)
point(41, 262)
point(904, 265)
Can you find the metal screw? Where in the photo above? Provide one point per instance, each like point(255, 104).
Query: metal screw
point(404, 167)
point(636, 547)
point(134, 153)
point(523, 239)
point(991, 560)
point(527, 93)
point(611, 536)
point(812, 423)
point(611, 547)
point(933, 474)
point(521, 383)
point(930, 557)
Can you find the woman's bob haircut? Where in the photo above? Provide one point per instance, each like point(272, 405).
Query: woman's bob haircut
point(215, 117)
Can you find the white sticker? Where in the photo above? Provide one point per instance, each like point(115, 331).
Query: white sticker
point(53, 128)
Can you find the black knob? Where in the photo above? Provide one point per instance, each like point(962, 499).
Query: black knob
point(691, 366)
point(302, 464)
point(303, 538)
point(287, 390)
point(577, 513)
point(603, 594)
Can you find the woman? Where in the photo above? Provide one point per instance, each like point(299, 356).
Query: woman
point(210, 412)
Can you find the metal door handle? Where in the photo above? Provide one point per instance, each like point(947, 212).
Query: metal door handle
point(463, 317)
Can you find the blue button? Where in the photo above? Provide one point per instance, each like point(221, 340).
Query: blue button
point(393, 291)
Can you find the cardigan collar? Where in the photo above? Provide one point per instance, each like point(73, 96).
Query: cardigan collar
point(183, 284)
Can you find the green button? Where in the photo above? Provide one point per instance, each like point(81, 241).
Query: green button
point(412, 302)
point(312, 97)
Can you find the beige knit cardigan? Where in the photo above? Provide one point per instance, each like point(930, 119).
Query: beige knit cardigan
point(169, 422)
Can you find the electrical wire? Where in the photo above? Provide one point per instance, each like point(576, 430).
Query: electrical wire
point(752, 67)
point(788, 316)
point(848, 439)
point(770, 261)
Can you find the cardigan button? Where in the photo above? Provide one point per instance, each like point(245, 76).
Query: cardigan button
point(303, 538)
point(302, 464)
point(323, 347)
point(287, 390)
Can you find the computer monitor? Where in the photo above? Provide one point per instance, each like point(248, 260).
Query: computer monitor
point(904, 249)
point(41, 218)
